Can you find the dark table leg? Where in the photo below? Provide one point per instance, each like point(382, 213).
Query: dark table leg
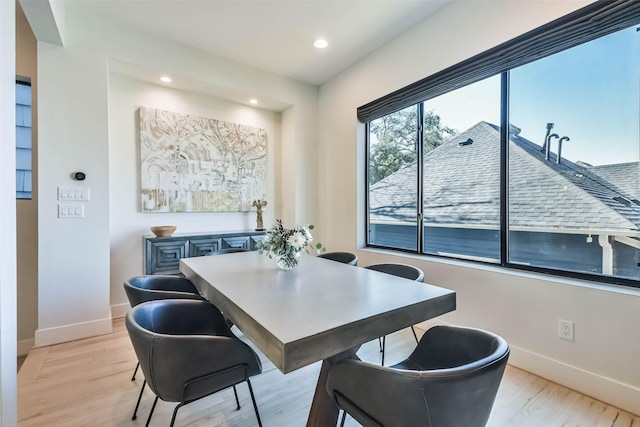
point(324, 411)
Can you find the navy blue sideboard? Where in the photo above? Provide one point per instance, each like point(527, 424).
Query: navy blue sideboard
point(162, 254)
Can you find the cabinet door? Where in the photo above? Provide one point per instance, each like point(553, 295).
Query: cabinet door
point(236, 242)
point(163, 255)
point(254, 240)
point(202, 246)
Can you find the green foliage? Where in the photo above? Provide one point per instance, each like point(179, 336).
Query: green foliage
point(287, 243)
point(435, 133)
point(396, 137)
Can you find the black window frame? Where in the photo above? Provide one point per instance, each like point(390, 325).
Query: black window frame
point(586, 24)
point(26, 81)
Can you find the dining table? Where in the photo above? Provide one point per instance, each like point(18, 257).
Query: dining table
point(320, 311)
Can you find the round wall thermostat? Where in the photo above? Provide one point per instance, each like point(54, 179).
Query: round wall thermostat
point(80, 176)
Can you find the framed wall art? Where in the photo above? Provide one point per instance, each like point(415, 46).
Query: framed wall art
point(197, 164)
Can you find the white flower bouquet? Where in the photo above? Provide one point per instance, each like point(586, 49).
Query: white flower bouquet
point(286, 244)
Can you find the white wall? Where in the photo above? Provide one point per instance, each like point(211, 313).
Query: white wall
point(127, 222)
point(75, 272)
point(524, 308)
point(8, 402)
point(73, 254)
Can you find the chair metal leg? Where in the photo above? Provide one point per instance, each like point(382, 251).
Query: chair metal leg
point(153, 407)
point(135, 411)
point(344, 417)
point(253, 400)
point(414, 334)
point(133, 378)
point(175, 412)
point(383, 343)
point(237, 400)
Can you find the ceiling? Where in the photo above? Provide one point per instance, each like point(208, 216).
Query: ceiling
point(275, 36)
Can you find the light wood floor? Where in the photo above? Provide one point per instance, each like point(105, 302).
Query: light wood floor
point(87, 383)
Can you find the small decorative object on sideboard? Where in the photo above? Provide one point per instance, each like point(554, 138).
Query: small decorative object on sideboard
point(259, 204)
point(163, 230)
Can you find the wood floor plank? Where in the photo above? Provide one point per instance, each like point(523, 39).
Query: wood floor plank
point(88, 383)
point(33, 365)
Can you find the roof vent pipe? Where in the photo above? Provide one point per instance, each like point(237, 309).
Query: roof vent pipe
point(564, 138)
point(548, 145)
point(546, 136)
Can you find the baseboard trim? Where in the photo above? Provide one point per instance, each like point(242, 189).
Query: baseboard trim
point(119, 310)
point(24, 346)
point(608, 390)
point(76, 331)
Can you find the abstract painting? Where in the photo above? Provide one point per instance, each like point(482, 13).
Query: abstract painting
point(197, 164)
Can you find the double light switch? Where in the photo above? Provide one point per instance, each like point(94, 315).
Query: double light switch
point(72, 194)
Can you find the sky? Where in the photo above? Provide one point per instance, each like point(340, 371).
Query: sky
point(591, 93)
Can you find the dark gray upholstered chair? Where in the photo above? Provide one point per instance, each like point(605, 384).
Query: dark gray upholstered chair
point(401, 270)
point(226, 251)
point(187, 351)
point(343, 257)
point(141, 289)
point(450, 380)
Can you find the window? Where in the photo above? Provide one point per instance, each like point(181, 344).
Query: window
point(461, 173)
point(393, 213)
point(23, 141)
point(535, 166)
point(574, 181)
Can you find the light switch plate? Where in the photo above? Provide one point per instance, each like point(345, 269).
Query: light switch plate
point(70, 210)
point(73, 193)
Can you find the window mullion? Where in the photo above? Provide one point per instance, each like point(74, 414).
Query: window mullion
point(420, 166)
point(367, 177)
point(504, 168)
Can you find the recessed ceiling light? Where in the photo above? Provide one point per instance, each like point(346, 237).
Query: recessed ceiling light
point(253, 101)
point(166, 79)
point(320, 43)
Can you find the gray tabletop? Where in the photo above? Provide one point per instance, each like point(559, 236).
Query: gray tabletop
point(316, 311)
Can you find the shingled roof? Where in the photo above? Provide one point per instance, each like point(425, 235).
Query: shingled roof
point(625, 176)
point(462, 189)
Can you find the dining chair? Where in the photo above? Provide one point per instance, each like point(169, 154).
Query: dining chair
point(450, 380)
point(145, 288)
point(343, 257)
point(187, 351)
point(401, 270)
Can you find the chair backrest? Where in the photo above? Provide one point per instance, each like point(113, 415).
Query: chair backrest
point(141, 289)
point(401, 270)
point(450, 380)
point(185, 341)
point(226, 251)
point(343, 257)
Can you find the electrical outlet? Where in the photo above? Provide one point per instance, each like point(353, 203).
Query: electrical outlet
point(565, 329)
